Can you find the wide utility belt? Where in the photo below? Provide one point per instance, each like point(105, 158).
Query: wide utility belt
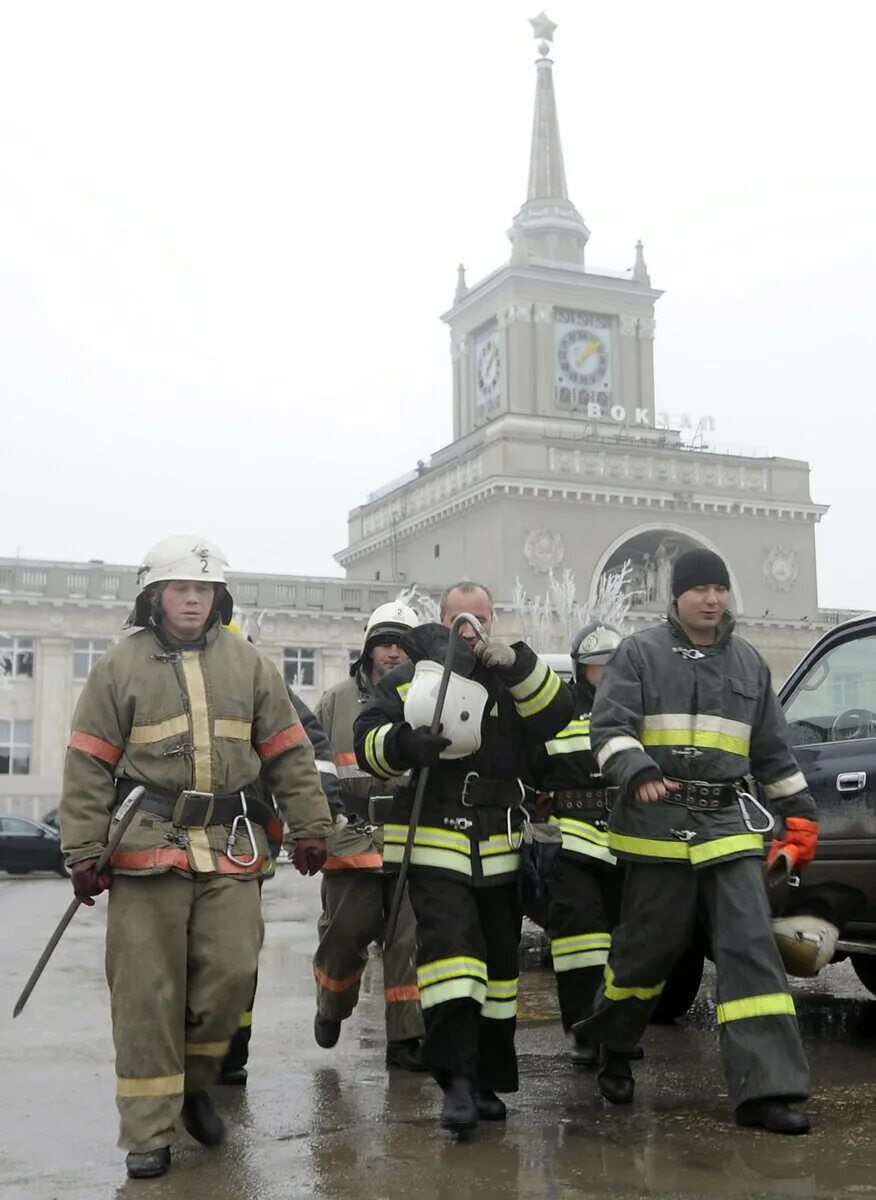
point(473, 791)
point(190, 809)
point(582, 799)
point(697, 794)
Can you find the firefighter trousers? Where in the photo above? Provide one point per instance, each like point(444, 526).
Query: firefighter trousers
point(583, 904)
point(760, 1040)
point(181, 953)
point(355, 905)
point(468, 941)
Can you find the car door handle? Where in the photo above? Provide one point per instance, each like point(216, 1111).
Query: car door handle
point(851, 781)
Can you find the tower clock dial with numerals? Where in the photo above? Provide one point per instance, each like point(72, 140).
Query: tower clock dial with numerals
point(583, 357)
point(488, 371)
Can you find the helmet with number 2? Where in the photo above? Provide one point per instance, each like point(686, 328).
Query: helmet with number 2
point(182, 556)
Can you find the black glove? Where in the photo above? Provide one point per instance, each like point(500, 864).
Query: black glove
point(87, 882)
point(419, 747)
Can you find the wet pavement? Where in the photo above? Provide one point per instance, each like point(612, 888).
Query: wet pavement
point(333, 1124)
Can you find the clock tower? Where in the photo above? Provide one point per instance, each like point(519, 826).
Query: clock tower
point(557, 461)
point(544, 335)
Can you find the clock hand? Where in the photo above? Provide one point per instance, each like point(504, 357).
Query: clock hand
point(588, 350)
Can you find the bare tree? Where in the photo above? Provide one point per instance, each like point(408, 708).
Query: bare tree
point(551, 620)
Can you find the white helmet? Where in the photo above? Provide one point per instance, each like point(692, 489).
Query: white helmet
point(805, 943)
point(463, 709)
point(182, 556)
point(390, 618)
point(595, 644)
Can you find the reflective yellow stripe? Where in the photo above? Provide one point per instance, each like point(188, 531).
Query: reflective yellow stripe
point(534, 680)
point(581, 829)
point(245, 1021)
point(374, 740)
point(647, 847)
point(575, 726)
point(200, 716)
point(774, 1004)
point(568, 745)
point(143, 735)
point(157, 1085)
point(499, 1010)
point(789, 786)
point(584, 958)
point(453, 989)
point(500, 864)
point(206, 1049)
point(430, 835)
point(444, 860)
point(497, 843)
point(723, 847)
point(502, 989)
point(403, 689)
point(541, 699)
point(580, 941)
point(629, 993)
point(614, 746)
point(708, 739)
point(449, 968)
point(240, 730)
point(702, 722)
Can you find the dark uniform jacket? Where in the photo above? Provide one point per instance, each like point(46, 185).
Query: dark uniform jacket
point(526, 705)
point(566, 764)
point(668, 708)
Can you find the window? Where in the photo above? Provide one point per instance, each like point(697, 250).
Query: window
point(836, 700)
point(351, 598)
point(285, 593)
point(246, 593)
point(377, 597)
point(16, 658)
point(86, 652)
point(34, 580)
point(18, 826)
point(77, 584)
point(14, 747)
point(313, 596)
point(111, 585)
point(6, 580)
point(299, 666)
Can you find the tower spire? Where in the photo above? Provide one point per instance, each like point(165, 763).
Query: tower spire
point(548, 225)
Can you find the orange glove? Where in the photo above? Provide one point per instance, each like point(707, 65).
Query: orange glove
point(799, 842)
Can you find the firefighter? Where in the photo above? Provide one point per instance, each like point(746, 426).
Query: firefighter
point(685, 711)
point(233, 1071)
point(464, 871)
point(584, 888)
point(356, 892)
point(195, 714)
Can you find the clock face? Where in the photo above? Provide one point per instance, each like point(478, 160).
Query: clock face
point(583, 343)
point(583, 356)
point(488, 370)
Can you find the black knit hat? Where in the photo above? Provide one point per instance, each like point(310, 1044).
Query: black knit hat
point(698, 568)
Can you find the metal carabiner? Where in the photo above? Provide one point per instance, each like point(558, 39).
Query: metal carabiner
point(527, 821)
point(250, 833)
point(741, 797)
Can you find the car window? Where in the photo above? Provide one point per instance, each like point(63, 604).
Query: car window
point(835, 701)
point(17, 825)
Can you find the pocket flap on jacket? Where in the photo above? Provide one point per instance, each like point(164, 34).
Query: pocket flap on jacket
point(744, 687)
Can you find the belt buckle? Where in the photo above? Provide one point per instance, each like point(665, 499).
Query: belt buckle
point(191, 803)
point(465, 786)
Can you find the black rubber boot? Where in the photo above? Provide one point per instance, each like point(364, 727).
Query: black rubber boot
point(614, 1077)
point(201, 1119)
point(406, 1055)
point(773, 1114)
point(326, 1032)
point(580, 1051)
point(489, 1106)
point(233, 1077)
point(148, 1164)
point(459, 1112)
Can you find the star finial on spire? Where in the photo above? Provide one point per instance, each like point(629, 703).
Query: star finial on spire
point(543, 29)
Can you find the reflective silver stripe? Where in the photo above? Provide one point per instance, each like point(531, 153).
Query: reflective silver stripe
point(789, 786)
point(704, 721)
point(452, 989)
point(584, 958)
point(532, 682)
point(614, 746)
point(326, 767)
point(500, 864)
point(568, 745)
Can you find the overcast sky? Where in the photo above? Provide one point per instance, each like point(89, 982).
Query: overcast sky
point(227, 231)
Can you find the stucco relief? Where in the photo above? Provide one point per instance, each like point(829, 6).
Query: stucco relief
point(688, 471)
point(422, 495)
point(543, 550)
point(780, 569)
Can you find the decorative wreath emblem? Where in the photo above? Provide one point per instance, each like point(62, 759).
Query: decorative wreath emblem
point(780, 569)
point(543, 550)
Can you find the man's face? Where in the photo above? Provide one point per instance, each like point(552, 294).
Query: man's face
point(385, 657)
point(186, 605)
point(701, 608)
point(594, 672)
point(476, 602)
